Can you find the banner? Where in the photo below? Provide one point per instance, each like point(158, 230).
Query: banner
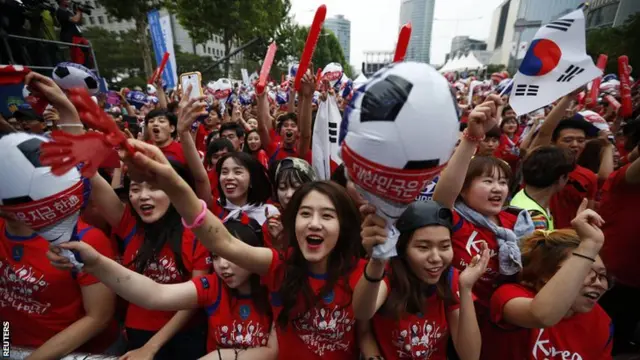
point(555, 64)
point(162, 39)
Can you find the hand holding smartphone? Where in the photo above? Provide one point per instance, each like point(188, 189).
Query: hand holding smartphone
point(195, 80)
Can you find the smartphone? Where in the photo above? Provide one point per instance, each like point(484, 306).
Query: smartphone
point(195, 80)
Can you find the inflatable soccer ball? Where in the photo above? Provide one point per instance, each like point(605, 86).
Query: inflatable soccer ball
point(71, 75)
point(222, 89)
point(293, 70)
point(151, 90)
point(29, 192)
point(399, 131)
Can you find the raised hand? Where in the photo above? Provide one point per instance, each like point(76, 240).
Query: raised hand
point(475, 269)
point(189, 110)
point(587, 224)
point(484, 116)
point(373, 228)
point(149, 164)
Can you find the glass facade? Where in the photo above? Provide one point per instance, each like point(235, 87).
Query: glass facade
point(544, 11)
point(420, 14)
point(341, 27)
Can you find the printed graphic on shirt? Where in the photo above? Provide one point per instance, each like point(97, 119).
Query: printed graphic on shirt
point(543, 349)
point(19, 286)
point(474, 245)
point(324, 329)
point(417, 341)
point(163, 270)
point(252, 334)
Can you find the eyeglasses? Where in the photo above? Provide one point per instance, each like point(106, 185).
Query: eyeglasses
point(605, 279)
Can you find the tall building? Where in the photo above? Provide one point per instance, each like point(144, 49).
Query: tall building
point(515, 23)
point(213, 48)
point(341, 27)
point(607, 13)
point(376, 60)
point(420, 14)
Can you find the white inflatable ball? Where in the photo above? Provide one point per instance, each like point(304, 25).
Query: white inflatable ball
point(222, 89)
point(151, 90)
point(71, 75)
point(333, 72)
point(399, 130)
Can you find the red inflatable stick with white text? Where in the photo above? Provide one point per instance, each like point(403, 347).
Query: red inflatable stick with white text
point(403, 42)
point(310, 45)
point(595, 84)
point(90, 149)
point(266, 67)
point(626, 106)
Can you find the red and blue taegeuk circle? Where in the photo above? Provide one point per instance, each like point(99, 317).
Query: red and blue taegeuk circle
point(542, 57)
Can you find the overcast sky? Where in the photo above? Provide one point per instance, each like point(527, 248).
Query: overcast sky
point(375, 23)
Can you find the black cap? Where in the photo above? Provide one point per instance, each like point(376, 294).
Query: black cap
point(25, 115)
point(424, 213)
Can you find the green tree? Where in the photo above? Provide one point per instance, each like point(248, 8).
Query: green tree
point(616, 41)
point(136, 11)
point(187, 62)
point(328, 49)
point(491, 68)
point(117, 55)
point(235, 21)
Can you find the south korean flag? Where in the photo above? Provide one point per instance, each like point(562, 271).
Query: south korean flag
point(555, 64)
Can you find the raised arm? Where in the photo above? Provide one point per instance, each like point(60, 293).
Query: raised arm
point(264, 119)
point(189, 111)
point(481, 119)
point(551, 122)
point(555, 298)
point(307, 88)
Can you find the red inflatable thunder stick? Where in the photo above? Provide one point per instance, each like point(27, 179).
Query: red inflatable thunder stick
point(266, 67)
point(403, 42)
point(626, 108)
point(310, 45)
point(595, 84)
point(612, 102)
point(159, 70)
point(92, 148)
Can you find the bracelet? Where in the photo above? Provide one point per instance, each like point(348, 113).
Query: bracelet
point(584, 257)
point(373, 280)
point(199, 219)
point(471, 138)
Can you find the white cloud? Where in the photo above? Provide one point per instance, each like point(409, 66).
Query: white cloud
point(375, 23)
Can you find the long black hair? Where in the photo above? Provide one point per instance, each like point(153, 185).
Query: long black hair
point(259, 184)
point(166, 230)
point(342, 259)
point(250, 232)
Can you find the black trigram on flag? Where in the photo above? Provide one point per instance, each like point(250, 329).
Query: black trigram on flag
point(571, 72)
point(333, 132)
point(526, 90)
point(562, 25)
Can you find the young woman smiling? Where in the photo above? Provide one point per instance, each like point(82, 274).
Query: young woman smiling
point(310, 286)
point(426, 299)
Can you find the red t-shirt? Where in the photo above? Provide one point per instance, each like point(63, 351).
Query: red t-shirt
point(234, 322)
point(38, 300)
point(467, 241)
point(162, 270)
point(213, 180)
point(582, 183)
point(262, 157)
point(583, 336)
point(418, 336)
point(619, 208)
point(326, 331)
point(276, 151)
point(174, 152)
point(201, 138)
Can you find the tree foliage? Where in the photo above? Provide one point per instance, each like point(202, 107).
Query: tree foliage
point(117, 55)
point(616, 41)
point(236, 21)
point(136, 11)
point(328, 49)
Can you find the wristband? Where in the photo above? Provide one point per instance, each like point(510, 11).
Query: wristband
point(70, 125)
point(373, 280)
point(199, 219)
point(471, 138)
point(584, 257)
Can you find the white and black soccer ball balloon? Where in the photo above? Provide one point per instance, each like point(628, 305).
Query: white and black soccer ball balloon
point(71, 75)
point(29, 191)
point(151, 90)
point(222, 88)
point(399, 131)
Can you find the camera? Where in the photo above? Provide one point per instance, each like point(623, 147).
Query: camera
point(83, 7)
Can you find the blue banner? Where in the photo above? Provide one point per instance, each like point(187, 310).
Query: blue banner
point(160, 47)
